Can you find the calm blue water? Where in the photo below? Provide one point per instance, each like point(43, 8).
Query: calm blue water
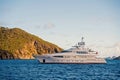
point(33, 70)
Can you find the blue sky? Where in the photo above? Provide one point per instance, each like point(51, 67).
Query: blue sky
point(64, 22)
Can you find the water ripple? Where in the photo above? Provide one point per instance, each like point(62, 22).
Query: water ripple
point(33, 70)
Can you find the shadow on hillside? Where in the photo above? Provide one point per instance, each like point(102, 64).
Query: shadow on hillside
point(5, 55)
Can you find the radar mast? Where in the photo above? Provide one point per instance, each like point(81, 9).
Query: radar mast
point(82, 43)
point(82, 39)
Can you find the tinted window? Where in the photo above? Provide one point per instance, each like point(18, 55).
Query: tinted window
point(66, 51)
point(82, 52)
point(58, 56)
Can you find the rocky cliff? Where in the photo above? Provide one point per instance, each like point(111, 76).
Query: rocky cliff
point(117, 58)
point(16, 43)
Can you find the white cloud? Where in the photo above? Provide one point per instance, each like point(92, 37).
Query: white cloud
point(48, 26)
point(45, 26)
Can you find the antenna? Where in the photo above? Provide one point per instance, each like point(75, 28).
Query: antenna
point(82, 39)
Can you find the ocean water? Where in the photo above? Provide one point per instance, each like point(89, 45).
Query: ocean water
point(33, 70)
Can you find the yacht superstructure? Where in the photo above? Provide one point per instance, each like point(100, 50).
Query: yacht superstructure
point(77, 54)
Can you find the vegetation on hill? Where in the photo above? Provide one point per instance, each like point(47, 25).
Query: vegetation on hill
point(21, 45)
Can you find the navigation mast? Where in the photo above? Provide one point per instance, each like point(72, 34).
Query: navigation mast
point(82, 39)
point(82, 43)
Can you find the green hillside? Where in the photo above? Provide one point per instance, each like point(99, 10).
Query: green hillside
point(22, 45)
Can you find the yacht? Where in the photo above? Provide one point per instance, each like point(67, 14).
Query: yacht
point(78, 54)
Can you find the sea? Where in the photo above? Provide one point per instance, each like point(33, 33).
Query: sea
point(34, 70)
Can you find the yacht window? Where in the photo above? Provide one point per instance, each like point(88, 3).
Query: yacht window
point(66, 51)
point(58, 56)
point(82, 52)
point(67, 56)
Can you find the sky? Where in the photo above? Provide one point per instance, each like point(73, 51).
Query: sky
point(64, 22)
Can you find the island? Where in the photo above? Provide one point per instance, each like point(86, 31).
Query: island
point(16, 43)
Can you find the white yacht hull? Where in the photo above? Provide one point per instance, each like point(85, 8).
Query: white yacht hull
point(70, 61)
